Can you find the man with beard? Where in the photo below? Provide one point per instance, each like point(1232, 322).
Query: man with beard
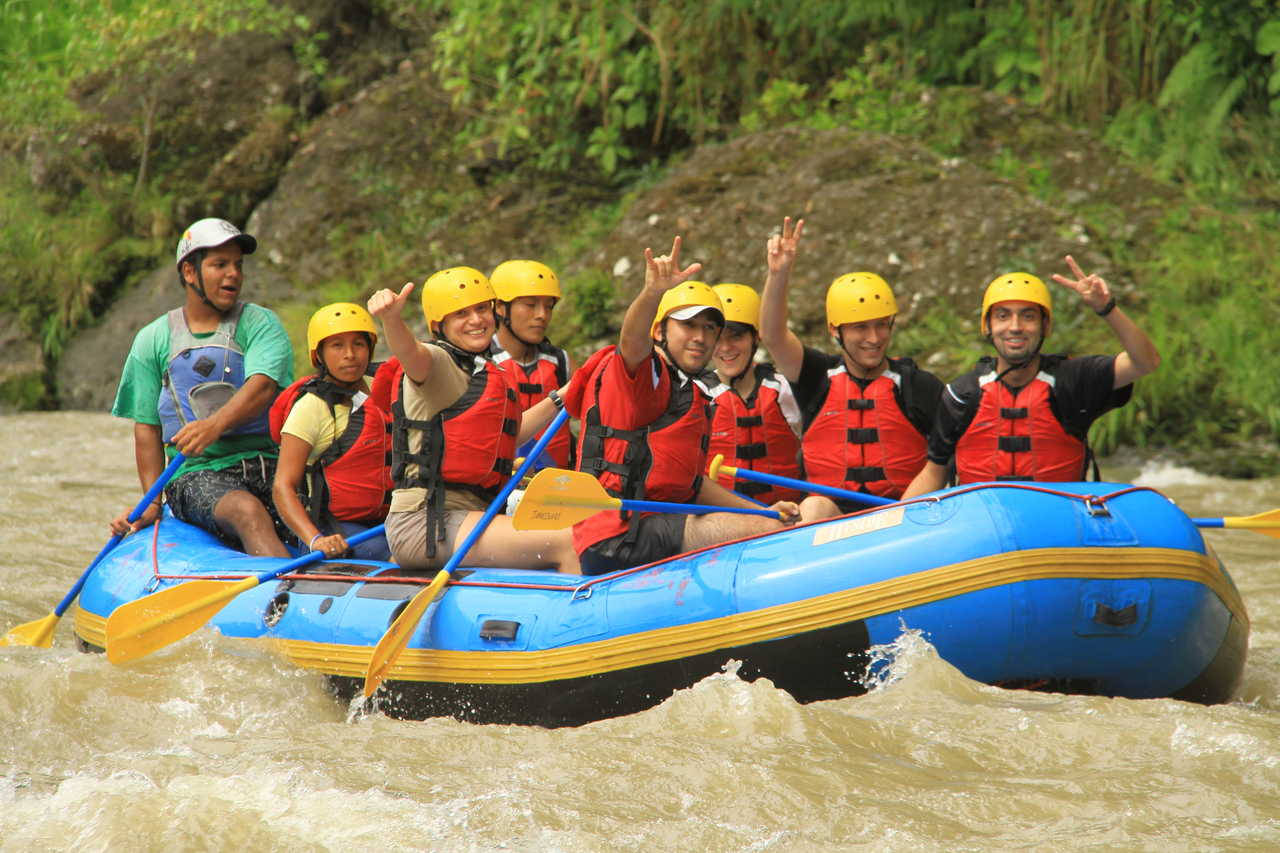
point(1023, 415)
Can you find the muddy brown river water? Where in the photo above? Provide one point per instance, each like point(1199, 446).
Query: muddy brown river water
point(210, 745)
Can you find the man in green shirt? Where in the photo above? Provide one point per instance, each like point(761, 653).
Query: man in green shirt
point(199, 380)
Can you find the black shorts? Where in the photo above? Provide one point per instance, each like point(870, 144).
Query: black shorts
point(193, 496)
point(657, 536)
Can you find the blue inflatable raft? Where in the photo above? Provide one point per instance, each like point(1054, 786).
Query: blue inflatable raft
point(1094, 588)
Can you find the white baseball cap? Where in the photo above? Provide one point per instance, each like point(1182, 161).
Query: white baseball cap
point(690, 311)
point(208, 233)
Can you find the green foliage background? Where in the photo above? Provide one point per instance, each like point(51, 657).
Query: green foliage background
point(607, 91)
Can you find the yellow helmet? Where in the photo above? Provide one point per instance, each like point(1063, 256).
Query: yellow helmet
point(856, 297)
point(1016, 287)
point(335, 319)
point(512, 279)
point(741, 304)
point(452, 290)
point(690, 294)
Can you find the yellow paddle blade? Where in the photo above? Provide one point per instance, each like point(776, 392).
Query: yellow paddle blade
point(137, 629)
point(397, 637)
point(38, 633)
point(1266, 523)
point(557, 498)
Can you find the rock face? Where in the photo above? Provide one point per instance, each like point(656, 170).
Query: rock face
point(22, 370)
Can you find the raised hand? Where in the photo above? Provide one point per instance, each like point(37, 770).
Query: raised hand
point(781, 251)
point(663, 272)
point(1092, 289)
point(387, 301)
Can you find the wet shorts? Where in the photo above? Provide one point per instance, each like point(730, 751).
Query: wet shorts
point(658, 536)
point(407, 535)
point(193, 496)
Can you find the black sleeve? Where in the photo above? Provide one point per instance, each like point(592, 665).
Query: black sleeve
point(1083, 390)
point(810, 386)
point(925, 400)
point(949, 423)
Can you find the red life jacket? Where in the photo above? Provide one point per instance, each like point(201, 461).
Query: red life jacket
point(1017, 435)
point(351, 480)
point(534, 383)
point(662, 461)
point(756, 433)
point(469, 445)
point(861, 438)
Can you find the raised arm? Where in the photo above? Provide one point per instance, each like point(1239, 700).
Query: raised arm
point(784, 347)
point(388, 307)
point(1139, 356)
point(662, 273)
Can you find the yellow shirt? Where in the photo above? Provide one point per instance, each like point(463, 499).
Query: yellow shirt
point(311, 421)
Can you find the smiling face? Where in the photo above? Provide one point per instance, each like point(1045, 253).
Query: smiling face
point(530, 316)
point(691, 342)
point(469, 328)
point(222, 271)
point(345, 356)
point(1017, 330)
point(865, 344)
point(734, 350)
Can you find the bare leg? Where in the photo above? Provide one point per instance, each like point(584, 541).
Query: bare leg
point(815, 507)
point(238, 512)
point(501, 545)
point(716, 527)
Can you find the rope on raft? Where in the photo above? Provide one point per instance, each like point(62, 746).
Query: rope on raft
point(578, 589)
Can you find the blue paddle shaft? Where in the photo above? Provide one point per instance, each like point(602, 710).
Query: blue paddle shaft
point(317, 556)
point(501, 500)
point(818, 488)
point(151, 495)
point(693, 509)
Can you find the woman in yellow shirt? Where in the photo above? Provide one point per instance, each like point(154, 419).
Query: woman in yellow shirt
point(333, 479)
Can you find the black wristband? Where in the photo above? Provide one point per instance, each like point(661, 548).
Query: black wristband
point(1108, 308)
point(555, 398)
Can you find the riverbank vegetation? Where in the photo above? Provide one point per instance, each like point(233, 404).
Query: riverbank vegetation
point(610, 93)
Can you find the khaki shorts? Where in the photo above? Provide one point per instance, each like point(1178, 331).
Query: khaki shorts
point(407, 535)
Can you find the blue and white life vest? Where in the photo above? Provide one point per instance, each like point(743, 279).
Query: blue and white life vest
point(202, 375)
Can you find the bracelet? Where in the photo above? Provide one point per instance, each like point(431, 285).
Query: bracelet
point(555, 398)
point(311, 546)
point(1108, 308)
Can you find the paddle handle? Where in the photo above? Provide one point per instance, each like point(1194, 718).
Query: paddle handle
point(693, 509)
point(718, 467)
point(501, 500)
point(152, 493)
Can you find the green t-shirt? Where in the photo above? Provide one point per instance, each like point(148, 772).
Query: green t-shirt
point(266, 350)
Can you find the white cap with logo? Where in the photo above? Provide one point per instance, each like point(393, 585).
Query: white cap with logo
point(209, 233)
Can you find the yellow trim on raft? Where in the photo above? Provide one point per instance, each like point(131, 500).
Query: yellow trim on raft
point(91, 627)
point(811, 614)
